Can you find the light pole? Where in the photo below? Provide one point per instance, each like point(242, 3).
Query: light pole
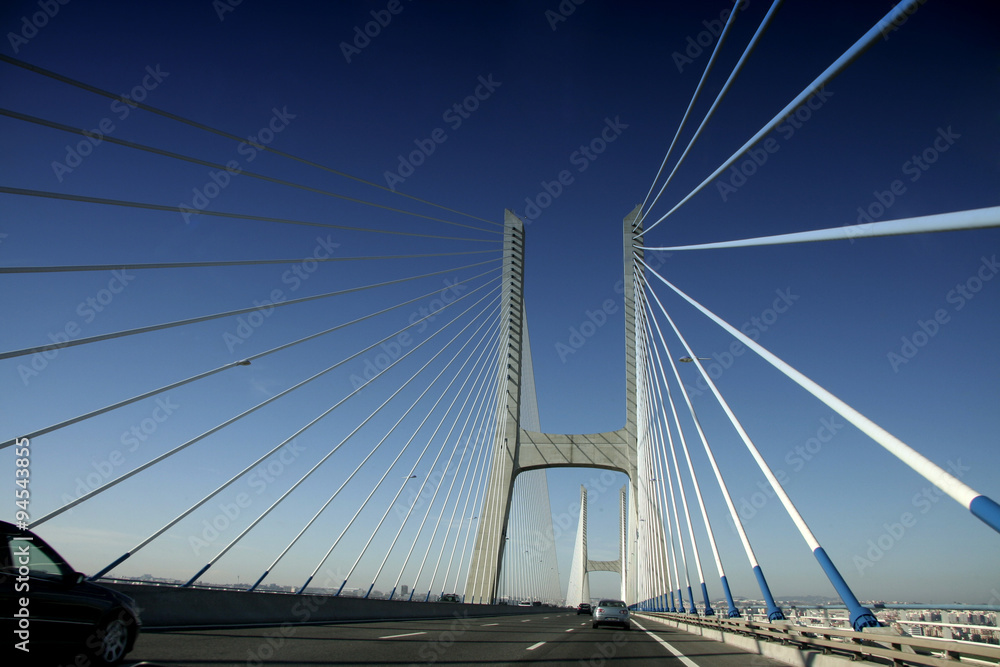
point(506, 574)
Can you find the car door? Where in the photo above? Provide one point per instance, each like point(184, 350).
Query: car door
point(61, 612)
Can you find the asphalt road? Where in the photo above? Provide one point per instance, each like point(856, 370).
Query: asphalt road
point(555, 640)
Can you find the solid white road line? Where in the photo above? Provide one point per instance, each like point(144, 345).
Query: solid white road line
point(680, 656)
point(408, 634)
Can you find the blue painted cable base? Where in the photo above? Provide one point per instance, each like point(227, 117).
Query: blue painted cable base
point(733, 611)
point(704, 593)
point(987, 511)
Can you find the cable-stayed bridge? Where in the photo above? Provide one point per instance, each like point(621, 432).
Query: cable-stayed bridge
point(356, 419)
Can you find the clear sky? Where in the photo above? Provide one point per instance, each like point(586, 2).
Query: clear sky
point(498, 102)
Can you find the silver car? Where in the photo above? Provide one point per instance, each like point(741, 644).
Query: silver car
point(611, 611)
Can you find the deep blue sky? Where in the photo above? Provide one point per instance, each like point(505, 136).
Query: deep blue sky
point(553, 91)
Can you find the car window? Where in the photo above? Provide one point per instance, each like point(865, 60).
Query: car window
point(41, 560)
point(612, 603)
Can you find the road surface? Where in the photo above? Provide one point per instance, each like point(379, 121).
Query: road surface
point(554, 640)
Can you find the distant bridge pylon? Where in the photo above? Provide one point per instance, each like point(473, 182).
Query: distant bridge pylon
point(579, 574)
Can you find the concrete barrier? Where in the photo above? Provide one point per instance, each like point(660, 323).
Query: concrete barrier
point(788, 654)
point(170, 607)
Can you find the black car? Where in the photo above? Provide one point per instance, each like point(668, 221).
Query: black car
point(583, 608)
point(49, 609)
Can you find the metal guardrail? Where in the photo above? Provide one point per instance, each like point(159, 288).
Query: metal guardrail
point(890, 649)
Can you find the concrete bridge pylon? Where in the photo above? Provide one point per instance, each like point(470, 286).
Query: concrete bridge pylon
point(517, 449)
point(578, 589)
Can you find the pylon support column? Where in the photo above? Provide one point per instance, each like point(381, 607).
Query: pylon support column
point(491, 536)
point(517, 449)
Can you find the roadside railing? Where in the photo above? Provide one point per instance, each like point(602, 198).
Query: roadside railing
point(881, 645)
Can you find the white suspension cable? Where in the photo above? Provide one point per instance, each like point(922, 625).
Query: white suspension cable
point(656, 436)
point(68, 268)
point(183, 210)
point(495, 533)
point(367, 457)
point(215, 316)
point(680, 483)
point(491, 411)
point(687, 112)
point(378, 484)
point(243, 414)
point(748, 549)
point(479, 375)
point(202, 126)
point(654, 440)
point(680, 479)
point(474, 458)
point(422, 486)
point(281, 498)
point(859, 47)
point(980, 218)
point(961, 492)
point(680, 433)
point(718, 100)
point(662, 471)
point(242, 362)
point(221, 167)
point(800, 523)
